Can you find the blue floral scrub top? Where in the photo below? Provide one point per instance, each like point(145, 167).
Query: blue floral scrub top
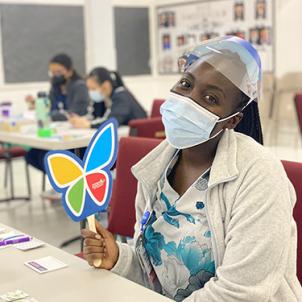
point(177, 237)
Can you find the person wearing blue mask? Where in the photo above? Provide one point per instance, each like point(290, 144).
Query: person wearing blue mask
point(213, 206)
point(110, 98)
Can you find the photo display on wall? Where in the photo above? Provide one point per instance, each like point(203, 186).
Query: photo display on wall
point(183, 26)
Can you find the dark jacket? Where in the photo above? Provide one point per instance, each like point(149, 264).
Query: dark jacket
point(75, 101)
point(124, 108)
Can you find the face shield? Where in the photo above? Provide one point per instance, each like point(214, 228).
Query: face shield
point(234, 58)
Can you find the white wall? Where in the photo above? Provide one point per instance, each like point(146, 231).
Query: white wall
point(99, 29)
point(289, 42)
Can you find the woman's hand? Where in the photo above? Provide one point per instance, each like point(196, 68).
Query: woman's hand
point(100, 246)
point(79, 121)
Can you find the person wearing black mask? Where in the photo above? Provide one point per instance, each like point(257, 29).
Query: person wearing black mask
point(68, 91)
point(68, 94)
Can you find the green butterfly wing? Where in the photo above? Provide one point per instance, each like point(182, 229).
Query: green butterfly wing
point(75, 197)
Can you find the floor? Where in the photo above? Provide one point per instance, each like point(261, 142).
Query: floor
point(47, 220)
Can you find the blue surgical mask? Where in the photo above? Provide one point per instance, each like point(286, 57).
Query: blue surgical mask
point(188, 124)
point(96, 96)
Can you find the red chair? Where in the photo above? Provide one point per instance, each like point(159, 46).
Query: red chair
point(8, 155)
point(155, 107)
point(294, 173)
point(147, 127)
point(122, 205)
point(298, 103)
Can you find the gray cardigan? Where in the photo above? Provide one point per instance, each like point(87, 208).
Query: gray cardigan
point(250, 204)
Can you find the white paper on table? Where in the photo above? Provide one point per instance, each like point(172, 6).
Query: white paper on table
point(45, 265)
point(29, 245)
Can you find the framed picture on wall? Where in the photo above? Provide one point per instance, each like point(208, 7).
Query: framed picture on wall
point(183, 26)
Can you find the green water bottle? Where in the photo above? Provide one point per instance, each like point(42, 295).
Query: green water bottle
point(43, 115)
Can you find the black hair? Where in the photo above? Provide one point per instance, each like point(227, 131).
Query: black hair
point(102, 74)
point(250, 123)
point(66, 61)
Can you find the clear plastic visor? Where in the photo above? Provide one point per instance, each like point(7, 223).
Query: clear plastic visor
point(234, 58)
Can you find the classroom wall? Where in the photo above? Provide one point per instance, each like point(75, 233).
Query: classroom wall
point(99, 29)
point(146, 88)
point(288, 41)
point(100, 50)
point(17, 92)
point(288, 53)
point(288, 25)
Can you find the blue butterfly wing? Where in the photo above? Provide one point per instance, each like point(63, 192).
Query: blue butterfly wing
point(102, 150)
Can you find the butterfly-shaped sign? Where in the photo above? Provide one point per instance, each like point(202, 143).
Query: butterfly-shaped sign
point(86, 185)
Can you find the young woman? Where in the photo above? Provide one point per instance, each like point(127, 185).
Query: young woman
point(214, 207)
point(68, 94)
point(110, 99)
point(68, 90)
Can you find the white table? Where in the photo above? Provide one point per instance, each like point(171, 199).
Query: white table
point(76, 283)
point(66, 138)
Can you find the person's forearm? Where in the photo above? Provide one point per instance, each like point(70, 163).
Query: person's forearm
point(57, 116)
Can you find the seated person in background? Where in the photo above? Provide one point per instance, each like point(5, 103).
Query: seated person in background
point(110, 99)
point(68, 94)
point(68, 90)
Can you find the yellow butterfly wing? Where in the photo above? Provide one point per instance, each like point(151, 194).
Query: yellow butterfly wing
point(62, 168)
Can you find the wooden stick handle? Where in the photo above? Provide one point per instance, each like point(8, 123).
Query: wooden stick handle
point(92, 228)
